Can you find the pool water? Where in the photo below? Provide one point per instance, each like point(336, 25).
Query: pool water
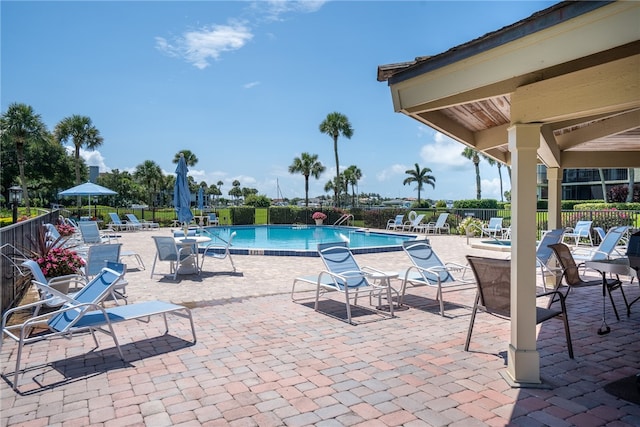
point(302, 240)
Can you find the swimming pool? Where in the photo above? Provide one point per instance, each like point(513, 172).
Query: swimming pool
point(302, 240)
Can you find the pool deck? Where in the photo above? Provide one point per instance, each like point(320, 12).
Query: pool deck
point(264, 360)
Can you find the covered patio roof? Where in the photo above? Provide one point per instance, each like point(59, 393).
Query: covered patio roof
point(561, 88)
point(574, 68)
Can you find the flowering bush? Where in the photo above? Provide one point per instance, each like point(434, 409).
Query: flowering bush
point(319, 215)
point(60, 262)
point(65, 230)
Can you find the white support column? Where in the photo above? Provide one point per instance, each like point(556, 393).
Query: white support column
point(523, 358)
point(554, 182)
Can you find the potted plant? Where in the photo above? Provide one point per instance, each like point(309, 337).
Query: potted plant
point(54, 260)
point(65, 230)
point(60, 262)
point(319, 217)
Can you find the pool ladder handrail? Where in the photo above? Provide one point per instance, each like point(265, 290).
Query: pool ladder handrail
point(344, 218)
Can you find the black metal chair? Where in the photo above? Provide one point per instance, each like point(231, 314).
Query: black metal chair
point(493, 279)
point(572, 278)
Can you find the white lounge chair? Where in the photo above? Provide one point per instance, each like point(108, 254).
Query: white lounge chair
point(117, 224)
point(604, 250)
point(493, 228)
point(428, 270)
point(347, 278)
point(91, 234)
point(62, 284)
point(213, 219)
point(144, 224)
point(437, 227)
point(582, 230)
point(396, 223)
point(84, 313)
point(413, 225)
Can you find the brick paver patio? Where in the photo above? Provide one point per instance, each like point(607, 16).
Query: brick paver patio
point(262, 360)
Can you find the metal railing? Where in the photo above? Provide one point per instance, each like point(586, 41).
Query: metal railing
point(18, 236)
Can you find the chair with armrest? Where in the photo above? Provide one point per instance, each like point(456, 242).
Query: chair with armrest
point(572, 279)
point(347, 278)
point(437, 227)
point(493, 279)
point(494, 227)
point(213, 219)
point(582, 230)
point(91, 234)
point(62, 284)
point(395, 223)
point(219, 249)
point(166, 250)
point(143, 224)
point(84, 313)
point(428, 270)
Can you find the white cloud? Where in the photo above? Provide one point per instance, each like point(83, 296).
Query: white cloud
point(91, 158)
point(443, 151)
point(250, 85)
point(274, 9)
point(200, 46)
point(391, 172)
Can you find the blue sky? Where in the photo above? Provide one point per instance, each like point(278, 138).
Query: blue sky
point(244, 85)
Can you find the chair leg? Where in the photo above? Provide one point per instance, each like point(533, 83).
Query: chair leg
point(439, 296)
point(346, 298)
point(153, 268)
point(473, 318)
point(567, 332)
point(618, 285)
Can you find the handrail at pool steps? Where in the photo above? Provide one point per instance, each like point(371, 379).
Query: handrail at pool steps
point(482, 233)
point(344, 218)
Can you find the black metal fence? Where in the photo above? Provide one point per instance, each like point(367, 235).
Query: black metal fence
point(17, 236)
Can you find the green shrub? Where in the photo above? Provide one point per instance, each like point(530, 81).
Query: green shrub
point(474, 225)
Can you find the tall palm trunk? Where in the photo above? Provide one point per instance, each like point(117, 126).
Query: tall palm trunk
point(632, 178)
point(603, 184)
point(77, 155)
point(500, 176)
point(306, 191)
point(478, 190)
point(23, 181)
point(336, 189)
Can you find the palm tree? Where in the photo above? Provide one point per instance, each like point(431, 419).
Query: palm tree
point(308, 165)
point(150, 175)
point(420, 176)
point(189, 157)
point(235, 191)
point(334, 125)
point(333, 185)
point(472, 155)
point(82, 133)
point(352, 175)
point(219, 184)
point(22, 125)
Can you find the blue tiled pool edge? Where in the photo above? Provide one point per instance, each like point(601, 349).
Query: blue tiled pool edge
point(308, 252)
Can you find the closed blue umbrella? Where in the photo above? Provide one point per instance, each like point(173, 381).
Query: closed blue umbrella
point(181, 193)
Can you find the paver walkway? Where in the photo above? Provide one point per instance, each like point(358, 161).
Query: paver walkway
point(263, 360)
